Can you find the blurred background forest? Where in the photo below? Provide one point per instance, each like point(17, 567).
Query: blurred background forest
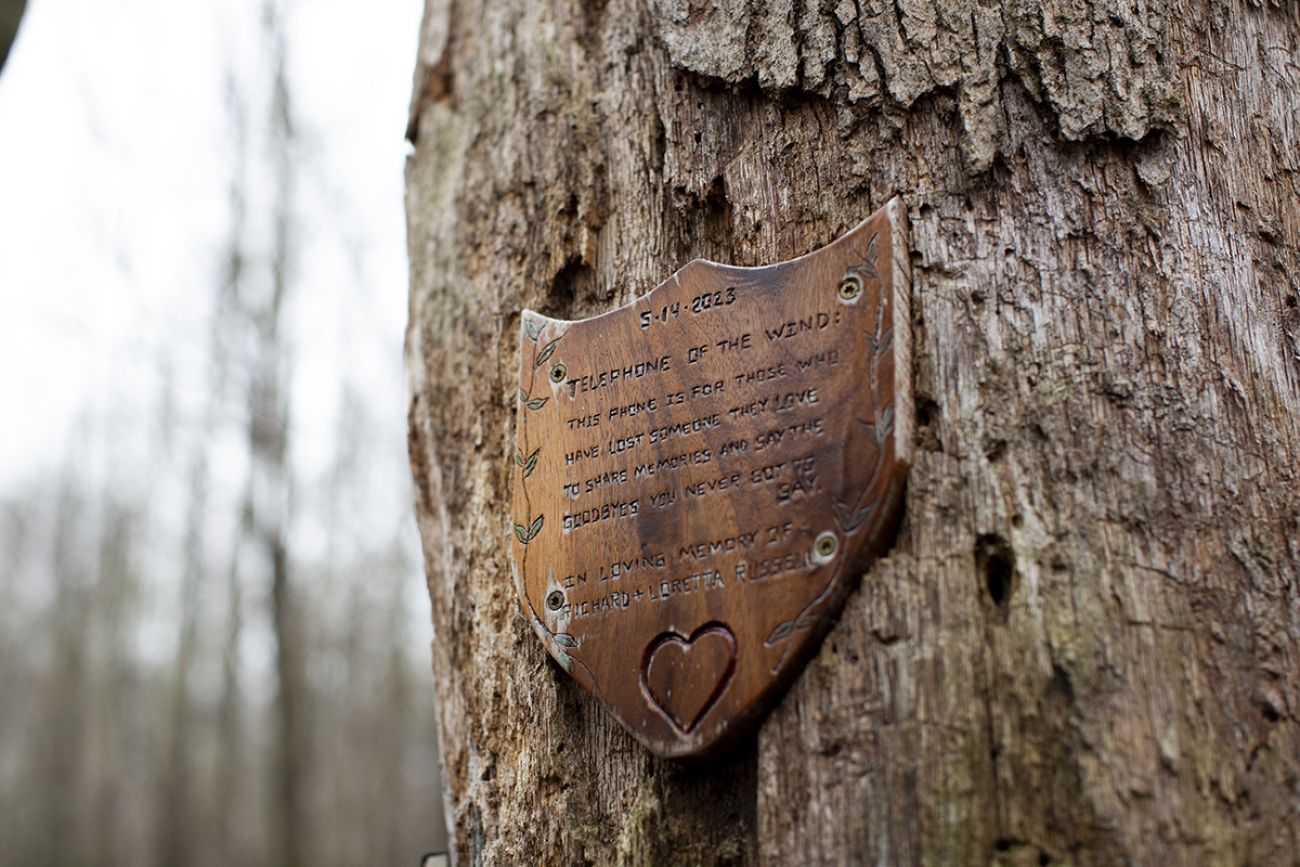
point(213, 631)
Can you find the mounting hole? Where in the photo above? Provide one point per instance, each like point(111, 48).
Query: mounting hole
point(558, 372)
point(555, 600)
point(850, 287)
point(826, 545)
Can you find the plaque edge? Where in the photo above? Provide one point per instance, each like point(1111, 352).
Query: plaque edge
point(892, 209)
point(901, 285)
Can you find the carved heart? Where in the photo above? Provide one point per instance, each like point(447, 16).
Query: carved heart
point(684, 677)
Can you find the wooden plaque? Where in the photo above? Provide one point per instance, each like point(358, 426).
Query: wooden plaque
point(702, 475)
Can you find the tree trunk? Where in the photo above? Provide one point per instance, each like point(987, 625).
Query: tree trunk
point(1083, 646)
point(11, 13)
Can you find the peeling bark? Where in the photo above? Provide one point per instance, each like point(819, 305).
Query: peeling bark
point(1083, 648)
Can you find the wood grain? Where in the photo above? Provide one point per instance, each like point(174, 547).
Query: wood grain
point(701, 476)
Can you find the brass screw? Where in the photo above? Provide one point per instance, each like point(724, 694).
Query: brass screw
point(851, 287)
point(826, 544)
point(555, 600)
point(558, 372)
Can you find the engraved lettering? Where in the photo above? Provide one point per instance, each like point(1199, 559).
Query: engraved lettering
point(631, 410)
point(736, 344)
point(695, 425)
point(659, 315)
point(615, 601)
point(774, 437)
point(733, 447)
point(595, 483)
point(821, 359)
point(623, 444)
point(778, 534)
point(713, 547)
point(571, 458)
point(620, 568)
point(606, 512)
point(685, 459)
point(781, 564)
point(817, 322)
point(721, 483)
point(663, 499)
point(606, 378)
point(710, 300)
point(710, 579)
point(704, 389)
point(760, 375)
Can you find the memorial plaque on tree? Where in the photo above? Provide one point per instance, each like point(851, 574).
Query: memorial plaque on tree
point(702, 476)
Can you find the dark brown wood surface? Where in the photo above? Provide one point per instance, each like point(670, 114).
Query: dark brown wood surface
point(701, 475)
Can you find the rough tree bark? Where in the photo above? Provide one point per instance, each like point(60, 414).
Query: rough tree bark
point(1083, 648)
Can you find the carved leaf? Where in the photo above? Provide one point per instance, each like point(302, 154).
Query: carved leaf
point(806, 620)
point(532, 328)
point(781, 633)
point(537, 402)
point(564, 639)
point(546, 353)
point(527, 534)
point(842, 515)
point(850, 521)
point(886, 424)
point(530, 464)
point(868, 266)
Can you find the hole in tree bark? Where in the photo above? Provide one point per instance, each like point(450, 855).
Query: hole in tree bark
point(925, 408)
point(997, 562)
point(1271, 713)
point(1060, 689)
point(926, 411)
point(717, 212)
point(995, 449)
point(574, 280)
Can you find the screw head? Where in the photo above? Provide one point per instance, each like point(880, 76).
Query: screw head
point(558, 372)
point(850, 287)
point(826, 545)
point(555, 600)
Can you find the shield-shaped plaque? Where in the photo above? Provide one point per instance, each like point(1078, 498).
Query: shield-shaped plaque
point(702, 476)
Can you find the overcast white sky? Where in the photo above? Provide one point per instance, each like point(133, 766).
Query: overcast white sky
point(115, 157)
point(117, 153)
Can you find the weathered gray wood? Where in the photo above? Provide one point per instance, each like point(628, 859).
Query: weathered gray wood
point(1083, 649)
